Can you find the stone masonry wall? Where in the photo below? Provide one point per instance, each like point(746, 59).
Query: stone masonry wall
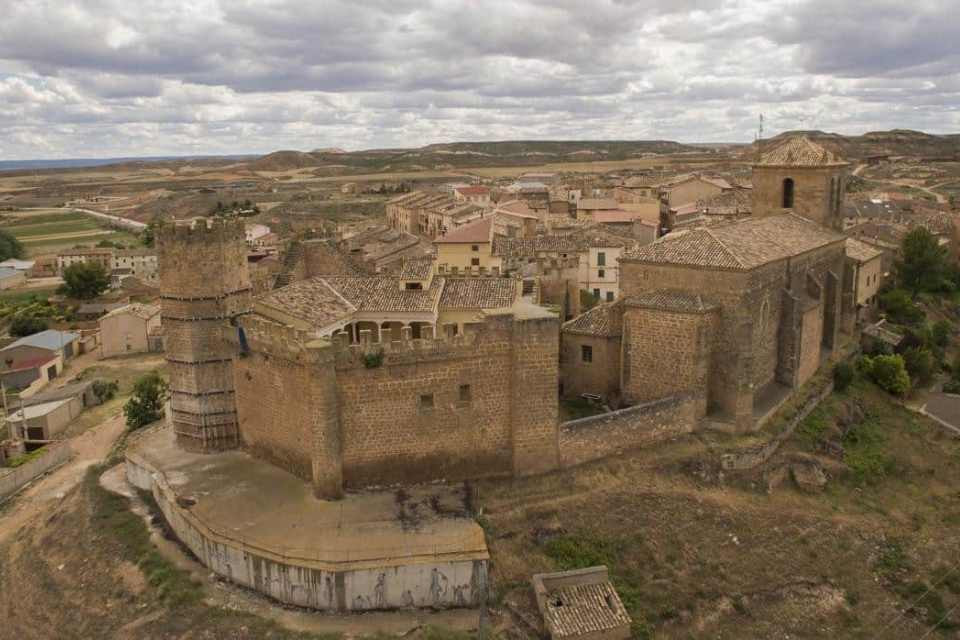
point(601, 376)
point(613, 433)
point(812, 197)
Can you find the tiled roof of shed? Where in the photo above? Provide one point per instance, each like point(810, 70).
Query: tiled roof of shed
point(584, 609)
point(479, 293)
point(741, 246)
point(799, 151)
point(605, 320)
point(861, 251)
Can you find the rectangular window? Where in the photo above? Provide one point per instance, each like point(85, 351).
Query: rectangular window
point(475, 262)
point(586, 353)
point(465, 394)
point(474, 247)
point(601, 273)
point(426, 402)
point(601, 259)
point(609, 296)
point(596, 293)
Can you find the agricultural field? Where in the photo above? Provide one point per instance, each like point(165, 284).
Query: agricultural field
point(47, 231)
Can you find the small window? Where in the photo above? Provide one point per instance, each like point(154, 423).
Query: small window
point(426, 402)
point(596, 293)
point(474, 247)
point(586, 353)
point(414, 286)
point(475, 262)
point(609, 296)
point(601, 273)
point(601, 259)
point(465, 394)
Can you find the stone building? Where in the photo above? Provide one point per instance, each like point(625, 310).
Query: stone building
point(800, 176)
point(590, 353)
point(348, 381)
point(736, 315)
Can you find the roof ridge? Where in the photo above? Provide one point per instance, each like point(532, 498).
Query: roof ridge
point(725, 248)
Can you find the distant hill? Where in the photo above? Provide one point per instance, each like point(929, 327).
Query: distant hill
point(81, 163)
point(471, 154)
point(896, 142)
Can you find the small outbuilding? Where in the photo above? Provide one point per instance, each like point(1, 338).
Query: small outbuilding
point(10, 278)
point(128, 329)
point(46, 421)
point(581, 604)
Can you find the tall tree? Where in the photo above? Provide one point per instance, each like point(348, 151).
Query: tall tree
point(923, 262)
point(85, 280)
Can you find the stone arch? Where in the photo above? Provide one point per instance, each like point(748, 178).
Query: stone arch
point(788, 193)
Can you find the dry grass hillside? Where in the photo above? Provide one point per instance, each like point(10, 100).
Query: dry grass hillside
point(697, 553)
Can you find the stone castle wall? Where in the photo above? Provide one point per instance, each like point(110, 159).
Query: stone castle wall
point(429, 409)
point(614, 433)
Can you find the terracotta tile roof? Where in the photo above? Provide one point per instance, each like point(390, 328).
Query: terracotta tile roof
point(417, 268)
point(605, 320)
point(479, 293)
point(618, 215)
point(740, 246)
point(799, 151)
point(584, 609)
point(668, 300)
point(473, 190)
point(516, 208)
point(383, 293)
point(312, 300)
point(861, 251)
point(472, 233)
point(597, 203)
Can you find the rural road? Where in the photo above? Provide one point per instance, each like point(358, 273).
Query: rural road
point(117, 220)
point(89, 449)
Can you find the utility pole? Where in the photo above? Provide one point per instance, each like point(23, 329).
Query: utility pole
point(10, 426)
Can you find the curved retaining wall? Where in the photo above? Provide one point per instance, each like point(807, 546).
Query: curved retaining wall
point(302, 582)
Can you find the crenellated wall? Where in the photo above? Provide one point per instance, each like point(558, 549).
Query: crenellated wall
point(480, 404)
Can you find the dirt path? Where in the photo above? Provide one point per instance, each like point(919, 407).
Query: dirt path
point(88, 449)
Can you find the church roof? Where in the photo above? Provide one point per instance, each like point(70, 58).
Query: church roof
point(738, 246)
point(799, 151)
point(604, 320)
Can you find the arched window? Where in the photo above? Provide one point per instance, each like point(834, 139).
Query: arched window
point(788, 193)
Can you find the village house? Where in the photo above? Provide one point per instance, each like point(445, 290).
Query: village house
point(411, 212)
point(36, 359)
point(103, 257)
point(515, 219)
point(46, 421)
point(127, 330)
point(477, 194)
point(865, 275)
point(468, 251)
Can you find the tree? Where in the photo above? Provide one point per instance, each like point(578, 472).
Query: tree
point(149, 235)
point(27, 324)
point(85, 280)
point(923, 262)
point(842, 376)
point(146, 403)
point(10, 247)
point(899, 307)
point(920, 365)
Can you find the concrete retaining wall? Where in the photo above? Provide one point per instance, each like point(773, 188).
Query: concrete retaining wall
point(611, 433)
point(11, 480)
point(304, 582)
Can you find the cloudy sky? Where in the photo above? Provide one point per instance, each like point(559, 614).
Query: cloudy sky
point(99, 78)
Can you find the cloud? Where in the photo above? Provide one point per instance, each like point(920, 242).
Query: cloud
point(112, 77)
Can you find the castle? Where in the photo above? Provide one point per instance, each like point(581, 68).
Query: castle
point(351, 381)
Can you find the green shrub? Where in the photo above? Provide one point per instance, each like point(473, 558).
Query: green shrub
point(842, 376)
point(951, 386)
point(27, 324)
point(890, 373)
point(373, 359)
point(146, 403)
point(941, 332)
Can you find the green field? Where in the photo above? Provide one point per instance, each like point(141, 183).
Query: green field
point(46, 232)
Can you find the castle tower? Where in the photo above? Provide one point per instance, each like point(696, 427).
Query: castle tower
point(204, 286)
point(801, 176)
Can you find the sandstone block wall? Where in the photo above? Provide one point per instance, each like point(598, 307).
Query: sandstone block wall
point(613, 433)
point(814, 196)
point(601, 376)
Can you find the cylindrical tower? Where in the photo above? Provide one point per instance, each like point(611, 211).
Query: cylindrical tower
point(204, 285)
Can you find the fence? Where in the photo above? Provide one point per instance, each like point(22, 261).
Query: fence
point(11, 480)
